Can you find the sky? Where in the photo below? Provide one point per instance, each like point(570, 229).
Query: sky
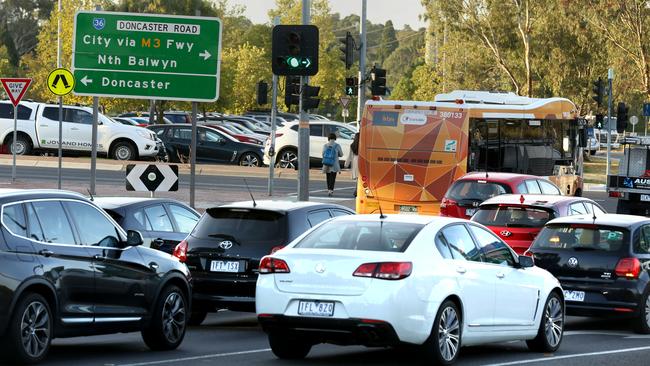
point(379, 11)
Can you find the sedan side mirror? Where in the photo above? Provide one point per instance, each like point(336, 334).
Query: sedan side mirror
point(526, 262)
point(133, 238)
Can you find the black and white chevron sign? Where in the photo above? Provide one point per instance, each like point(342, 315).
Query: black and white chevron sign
point(151, 178)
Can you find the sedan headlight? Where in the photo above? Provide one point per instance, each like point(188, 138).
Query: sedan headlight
point(147, 135)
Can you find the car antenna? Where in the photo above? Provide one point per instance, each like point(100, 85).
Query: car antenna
point(593, 213)
point(90, 194)
point(381, 213)
point(249, 192)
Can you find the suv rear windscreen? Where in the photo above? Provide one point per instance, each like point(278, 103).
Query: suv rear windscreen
point(582, 238)
point(475, 190)
point(362, 235)
point(512, 216)
point(242, 225)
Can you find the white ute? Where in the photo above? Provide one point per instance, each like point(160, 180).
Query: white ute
point(38, 129)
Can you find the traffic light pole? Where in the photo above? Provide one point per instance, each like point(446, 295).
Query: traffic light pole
point(274, 111)
point(303, 126)
point(362, 62)
point(610, 78)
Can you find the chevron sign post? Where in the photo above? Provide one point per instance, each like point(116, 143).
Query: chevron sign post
point(151, 178)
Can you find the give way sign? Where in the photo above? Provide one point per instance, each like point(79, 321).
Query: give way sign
point(16, 88)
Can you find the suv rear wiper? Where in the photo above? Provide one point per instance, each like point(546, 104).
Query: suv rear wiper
point(579, 249)
point(225, 236)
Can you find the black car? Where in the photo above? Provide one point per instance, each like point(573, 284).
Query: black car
point(602, 263)
point(67, 269)
point(212, 146)
point(224, 249)
point(162, 222)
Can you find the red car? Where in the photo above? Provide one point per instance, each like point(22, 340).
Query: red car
point(239, 137)
point(467, 193)
point(518, 218)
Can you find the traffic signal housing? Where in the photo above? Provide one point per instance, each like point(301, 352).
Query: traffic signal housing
point(294, 50)
point(309, 94)
point(621, 117)
point(291, 90)
point(599, 91)
point(600, 119)
point(378, 81)
point(262, 92)
point(351, 85)
point(348, 50)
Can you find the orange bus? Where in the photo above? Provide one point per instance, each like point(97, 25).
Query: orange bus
point(410, 152)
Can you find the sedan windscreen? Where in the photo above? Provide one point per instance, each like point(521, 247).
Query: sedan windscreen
point(582, 238)
point(242, 225)
point(362, 235)
point(512, 216)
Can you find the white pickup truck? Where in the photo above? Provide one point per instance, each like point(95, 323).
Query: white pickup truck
point(38, 129)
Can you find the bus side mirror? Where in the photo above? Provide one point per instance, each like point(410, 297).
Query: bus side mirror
point(582, 137)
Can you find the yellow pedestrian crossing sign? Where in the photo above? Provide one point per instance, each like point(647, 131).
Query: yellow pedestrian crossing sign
point(60, 81)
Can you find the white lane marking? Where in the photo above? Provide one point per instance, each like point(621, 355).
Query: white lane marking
point(578, 355)
point(216, 355)
point(624, 334)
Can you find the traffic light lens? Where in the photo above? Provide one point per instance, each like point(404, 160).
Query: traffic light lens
point(293, 62)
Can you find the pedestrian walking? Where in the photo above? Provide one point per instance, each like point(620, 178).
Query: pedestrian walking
point(352, 161)
point(331, 166)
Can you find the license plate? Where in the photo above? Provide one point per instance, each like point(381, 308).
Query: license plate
point(645, 197)
point(223, 266)
point(316, 308)
point(470, 211)
point(408, 209)
point(574, 295)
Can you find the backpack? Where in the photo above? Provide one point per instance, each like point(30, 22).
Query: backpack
point(328, 156)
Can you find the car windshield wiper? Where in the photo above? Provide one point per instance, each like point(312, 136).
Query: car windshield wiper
point(518, 225)
point(584, 249)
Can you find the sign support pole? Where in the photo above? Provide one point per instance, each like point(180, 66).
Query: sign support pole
point(361, 93)
point(303, 127)
point(93, 154)
point(13, 144)
point(274, 112)
point(610, 77)
point(58, 65)
point(195, 108)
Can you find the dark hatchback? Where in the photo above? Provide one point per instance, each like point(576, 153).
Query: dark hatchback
point(67, 269)
point(162, 222)
point(602, 264)
point(224, 250)
point(212, 146)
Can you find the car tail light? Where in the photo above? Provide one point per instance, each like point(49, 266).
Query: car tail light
point(616, 194)
point(385, 270)
point(445, 204)
point(528, 253)
point(278, 135)
point(270, 265)
point(180, 251)
point(276, 248)
point(628, 268)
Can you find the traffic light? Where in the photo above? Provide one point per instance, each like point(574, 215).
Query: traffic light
point(599, 121)
point(351, 86)
point(348, 50)
point(378, 83)
point(291, 90)
point(309, 94)
point(621, 117)
point(294, 50)
point(599, 91)
point(262, 92)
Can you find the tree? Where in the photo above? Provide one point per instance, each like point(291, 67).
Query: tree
point(19, 26)
point(388, 42)
point(246, 66)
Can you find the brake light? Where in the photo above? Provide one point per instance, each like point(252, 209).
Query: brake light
point(270, 265)
point(278, 135)
point(276, 248)
point(628, 268)
point(528, 253)
point(385, 270)
point(180, 251)
point(616, 194)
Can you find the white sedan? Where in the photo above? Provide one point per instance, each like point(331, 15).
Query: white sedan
point(374, 280)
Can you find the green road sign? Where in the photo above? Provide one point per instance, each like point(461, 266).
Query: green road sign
point(147, 56)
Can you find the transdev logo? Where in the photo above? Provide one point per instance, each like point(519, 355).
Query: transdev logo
point(628, 182)
point(99, 23)
point(413, 119)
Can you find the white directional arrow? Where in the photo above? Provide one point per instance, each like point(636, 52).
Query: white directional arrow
point(85, 81)
point(134, 177)
point(170, 178)
point(205, 54)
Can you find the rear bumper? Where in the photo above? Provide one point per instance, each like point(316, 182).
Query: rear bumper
point(336, 331)
point(212, 293)
point(621, 296)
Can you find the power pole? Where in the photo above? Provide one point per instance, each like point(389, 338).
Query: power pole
point(361, 96)
point(303, 126)
point(610, 78)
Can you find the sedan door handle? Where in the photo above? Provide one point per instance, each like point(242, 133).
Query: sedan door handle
point(461, 270)
point(98, 257)
point(500, 275)
point(153, 265)
point(46, 253)
point(74, 129)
